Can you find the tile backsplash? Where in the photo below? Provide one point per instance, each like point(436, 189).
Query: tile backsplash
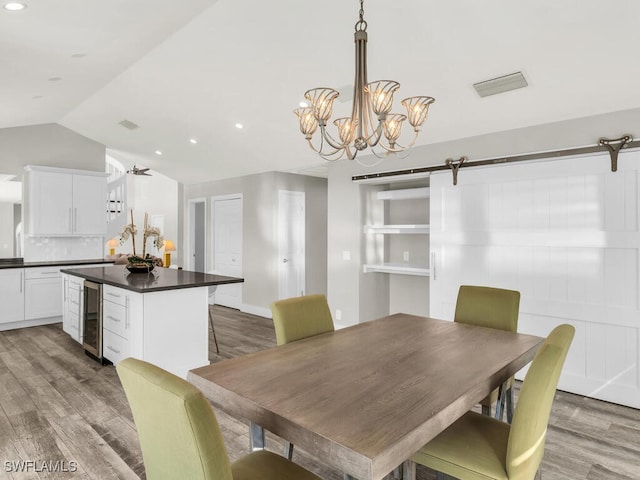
point(44, 249)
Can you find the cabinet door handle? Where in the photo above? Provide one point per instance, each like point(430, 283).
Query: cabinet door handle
point(113, 295)
point(64, 289)
point(113, 318)
point(113, 349)
point(75, 219)
point(21, 280)
point(70, 221)
point(48, 273)
point(126, 313)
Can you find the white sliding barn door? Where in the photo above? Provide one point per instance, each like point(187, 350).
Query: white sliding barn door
point(565, 234)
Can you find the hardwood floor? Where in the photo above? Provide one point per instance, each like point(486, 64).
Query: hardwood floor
point(57, 405)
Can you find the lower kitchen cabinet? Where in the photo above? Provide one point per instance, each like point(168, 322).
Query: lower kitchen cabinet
point(72, 299)
point(167, 328)
point(121, 326)
point(42, 293)
point(11, 295)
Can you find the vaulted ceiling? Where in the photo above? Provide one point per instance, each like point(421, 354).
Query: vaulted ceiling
point(193, 69)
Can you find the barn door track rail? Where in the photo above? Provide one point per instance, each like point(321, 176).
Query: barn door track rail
point(613, 146)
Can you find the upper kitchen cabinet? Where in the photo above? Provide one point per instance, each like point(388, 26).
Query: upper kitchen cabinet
point(64, 202)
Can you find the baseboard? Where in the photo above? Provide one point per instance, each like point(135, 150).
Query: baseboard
point(30, 323)
point(255, 310)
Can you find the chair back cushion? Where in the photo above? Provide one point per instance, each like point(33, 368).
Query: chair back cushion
point(529, 427)
point(488, 307)
point(178, 431)
point(301, 317)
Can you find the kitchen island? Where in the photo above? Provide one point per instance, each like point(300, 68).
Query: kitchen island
point(160, 317)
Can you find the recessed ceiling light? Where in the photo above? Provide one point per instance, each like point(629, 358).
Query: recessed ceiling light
point(158, 152)
point(239, 125)
point(15, 6)
point(303, 104)
point(193, 140)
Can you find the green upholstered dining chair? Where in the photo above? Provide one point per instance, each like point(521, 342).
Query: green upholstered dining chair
point(301, 317)
point(297, 318)
point(480, 447)
point(493, 308)
point(180, 436)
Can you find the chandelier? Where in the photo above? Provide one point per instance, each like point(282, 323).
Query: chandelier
point(371, 101)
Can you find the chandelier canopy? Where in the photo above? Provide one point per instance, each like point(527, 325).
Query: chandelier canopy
point(371, 101)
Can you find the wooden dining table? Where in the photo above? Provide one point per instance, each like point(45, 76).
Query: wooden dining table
point(363, 399)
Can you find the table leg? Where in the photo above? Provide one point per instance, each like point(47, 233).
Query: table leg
point(256, 437)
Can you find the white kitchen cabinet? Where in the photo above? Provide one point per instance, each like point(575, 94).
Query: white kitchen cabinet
point(11, 295)
point(62, 202)
point(121, 324)
point(72, 299)
point(167, 328)
point(42, 293)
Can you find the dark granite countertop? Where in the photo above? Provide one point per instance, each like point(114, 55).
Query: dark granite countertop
point(158, 280)
point(19, 263)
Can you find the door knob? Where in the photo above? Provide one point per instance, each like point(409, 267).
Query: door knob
point(285, 260)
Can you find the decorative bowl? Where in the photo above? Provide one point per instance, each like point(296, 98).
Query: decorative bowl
point(140, 267)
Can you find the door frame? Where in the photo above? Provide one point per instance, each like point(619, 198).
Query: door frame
point(302, 267)
point(191, 212)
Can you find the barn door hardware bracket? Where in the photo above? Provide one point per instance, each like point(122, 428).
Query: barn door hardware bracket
point(614, 146)
point(454, 165)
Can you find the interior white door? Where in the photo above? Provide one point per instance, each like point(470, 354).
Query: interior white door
point(565, 234)
point(291, 235)
point(227, 247)
point(197, 235)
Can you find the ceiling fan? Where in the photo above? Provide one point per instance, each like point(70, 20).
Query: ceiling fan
point(138, 171)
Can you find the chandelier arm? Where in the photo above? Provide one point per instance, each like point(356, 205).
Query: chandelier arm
point(325, 135)
point(320, 151)
point(372, 164)
point(400, 148)
point(376, 134)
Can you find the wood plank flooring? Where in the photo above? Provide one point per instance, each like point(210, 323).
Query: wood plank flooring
point(60, 409)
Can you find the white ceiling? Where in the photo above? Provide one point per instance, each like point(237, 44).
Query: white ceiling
point(193, 68)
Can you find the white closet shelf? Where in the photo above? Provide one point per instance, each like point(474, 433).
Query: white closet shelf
point(397, 228)
point(400, 268)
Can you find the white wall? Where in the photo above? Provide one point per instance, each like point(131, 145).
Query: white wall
point(156, 195)
point(50, 145)
point(355, 294)
point(260, 246)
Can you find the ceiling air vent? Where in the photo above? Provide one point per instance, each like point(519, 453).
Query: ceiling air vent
point(128, 124)
point(503, 84)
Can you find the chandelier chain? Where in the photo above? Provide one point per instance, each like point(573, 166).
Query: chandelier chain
point(361, 25)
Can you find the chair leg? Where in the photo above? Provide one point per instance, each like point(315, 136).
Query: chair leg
point(397, 473)
point(213, 330)
point(509, 405)
point(288, 450)
point(500, 403)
